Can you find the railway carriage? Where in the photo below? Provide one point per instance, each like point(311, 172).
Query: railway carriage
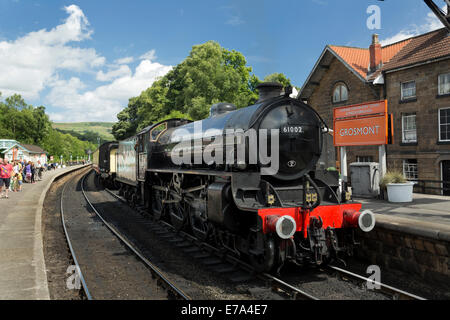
point(296, 213)
point(104, 162)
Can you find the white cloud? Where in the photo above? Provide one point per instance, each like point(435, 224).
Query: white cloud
point(431, 23)
point(38, 61)
point(235, 21)
point(150, 55)
point(104, 102)
point(125, 60)
point(122, 70)
point(29, 63)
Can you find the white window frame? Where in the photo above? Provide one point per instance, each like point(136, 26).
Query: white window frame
point(338, 86)
point(407, 170)
point(415, 90)
point(439, 125)
point(439, 84)
point(405, 115)
point(359, 158)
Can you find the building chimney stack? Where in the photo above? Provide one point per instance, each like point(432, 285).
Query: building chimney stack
point(375, 54)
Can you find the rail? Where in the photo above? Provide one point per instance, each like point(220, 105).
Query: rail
point(276, 283)
point(397, 294)
point(171, 287)
point(72, 251)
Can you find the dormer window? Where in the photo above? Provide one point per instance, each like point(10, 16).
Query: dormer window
point(340, 93)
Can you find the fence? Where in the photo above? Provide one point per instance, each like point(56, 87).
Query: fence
point(422, 186)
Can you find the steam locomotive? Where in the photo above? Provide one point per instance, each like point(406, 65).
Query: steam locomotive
point(219, 179)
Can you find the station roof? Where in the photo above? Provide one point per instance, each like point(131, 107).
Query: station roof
point(33, 149)
point(406, 53)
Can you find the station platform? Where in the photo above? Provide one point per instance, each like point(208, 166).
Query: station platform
point(429, 213)
point(411, 237)
point(22, 265)
point(424, 207)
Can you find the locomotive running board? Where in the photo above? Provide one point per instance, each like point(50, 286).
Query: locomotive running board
point(190, 171)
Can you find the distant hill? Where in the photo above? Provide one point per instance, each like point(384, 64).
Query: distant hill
point(103, 129)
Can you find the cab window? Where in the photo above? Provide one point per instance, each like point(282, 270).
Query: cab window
point(156, 131)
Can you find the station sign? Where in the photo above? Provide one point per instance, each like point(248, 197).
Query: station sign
point(363, 124)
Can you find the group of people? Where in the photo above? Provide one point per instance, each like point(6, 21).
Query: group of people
point(13, 174)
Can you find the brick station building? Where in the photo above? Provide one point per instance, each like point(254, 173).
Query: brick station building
point(413, 75)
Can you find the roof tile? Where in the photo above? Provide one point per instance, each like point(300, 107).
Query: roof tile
point(359, 58)
point(429, 46)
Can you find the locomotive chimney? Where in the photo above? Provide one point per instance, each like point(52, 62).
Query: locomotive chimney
point(375, 54)
point(269, 90)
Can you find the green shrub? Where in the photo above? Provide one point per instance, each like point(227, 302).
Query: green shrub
point(394, 176)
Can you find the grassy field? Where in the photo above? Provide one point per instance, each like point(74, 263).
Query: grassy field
point(102, 128)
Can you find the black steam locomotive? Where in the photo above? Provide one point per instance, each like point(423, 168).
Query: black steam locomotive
point(245, 180)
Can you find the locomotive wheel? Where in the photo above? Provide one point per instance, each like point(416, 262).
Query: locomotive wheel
point(265, 262)
point(178, 215)
point(199, 227)
point(157, 204)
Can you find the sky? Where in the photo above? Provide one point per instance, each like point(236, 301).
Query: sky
point(83, 60)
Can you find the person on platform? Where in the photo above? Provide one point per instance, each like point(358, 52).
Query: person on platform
point(28, 172)
point(6, 171)
point(39, 170)
point(19, 181)
point(1, 180)
point(33, 173)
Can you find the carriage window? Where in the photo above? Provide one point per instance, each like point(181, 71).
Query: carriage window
point(156, 131)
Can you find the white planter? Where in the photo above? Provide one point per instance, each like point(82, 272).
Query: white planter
point(400, 192)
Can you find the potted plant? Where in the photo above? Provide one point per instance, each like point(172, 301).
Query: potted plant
point(397, 187)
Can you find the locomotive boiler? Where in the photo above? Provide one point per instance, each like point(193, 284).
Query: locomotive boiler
point(246, 180)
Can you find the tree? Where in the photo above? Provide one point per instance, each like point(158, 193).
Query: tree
point(278, 77)
point(208, 75)
point(27, 124)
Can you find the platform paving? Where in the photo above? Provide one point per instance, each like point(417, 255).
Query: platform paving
point(22, 265)
point(427, 214)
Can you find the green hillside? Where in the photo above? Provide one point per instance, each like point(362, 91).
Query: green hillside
point(103, 129)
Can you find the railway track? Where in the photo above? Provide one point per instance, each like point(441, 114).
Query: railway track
point(173, 292)
point(220, 261)
point(72, 251)
point(227, 262)
point(395, 293)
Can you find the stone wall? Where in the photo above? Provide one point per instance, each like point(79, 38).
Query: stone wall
point(428, 150)
point(420, 252)
point(358, 92)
